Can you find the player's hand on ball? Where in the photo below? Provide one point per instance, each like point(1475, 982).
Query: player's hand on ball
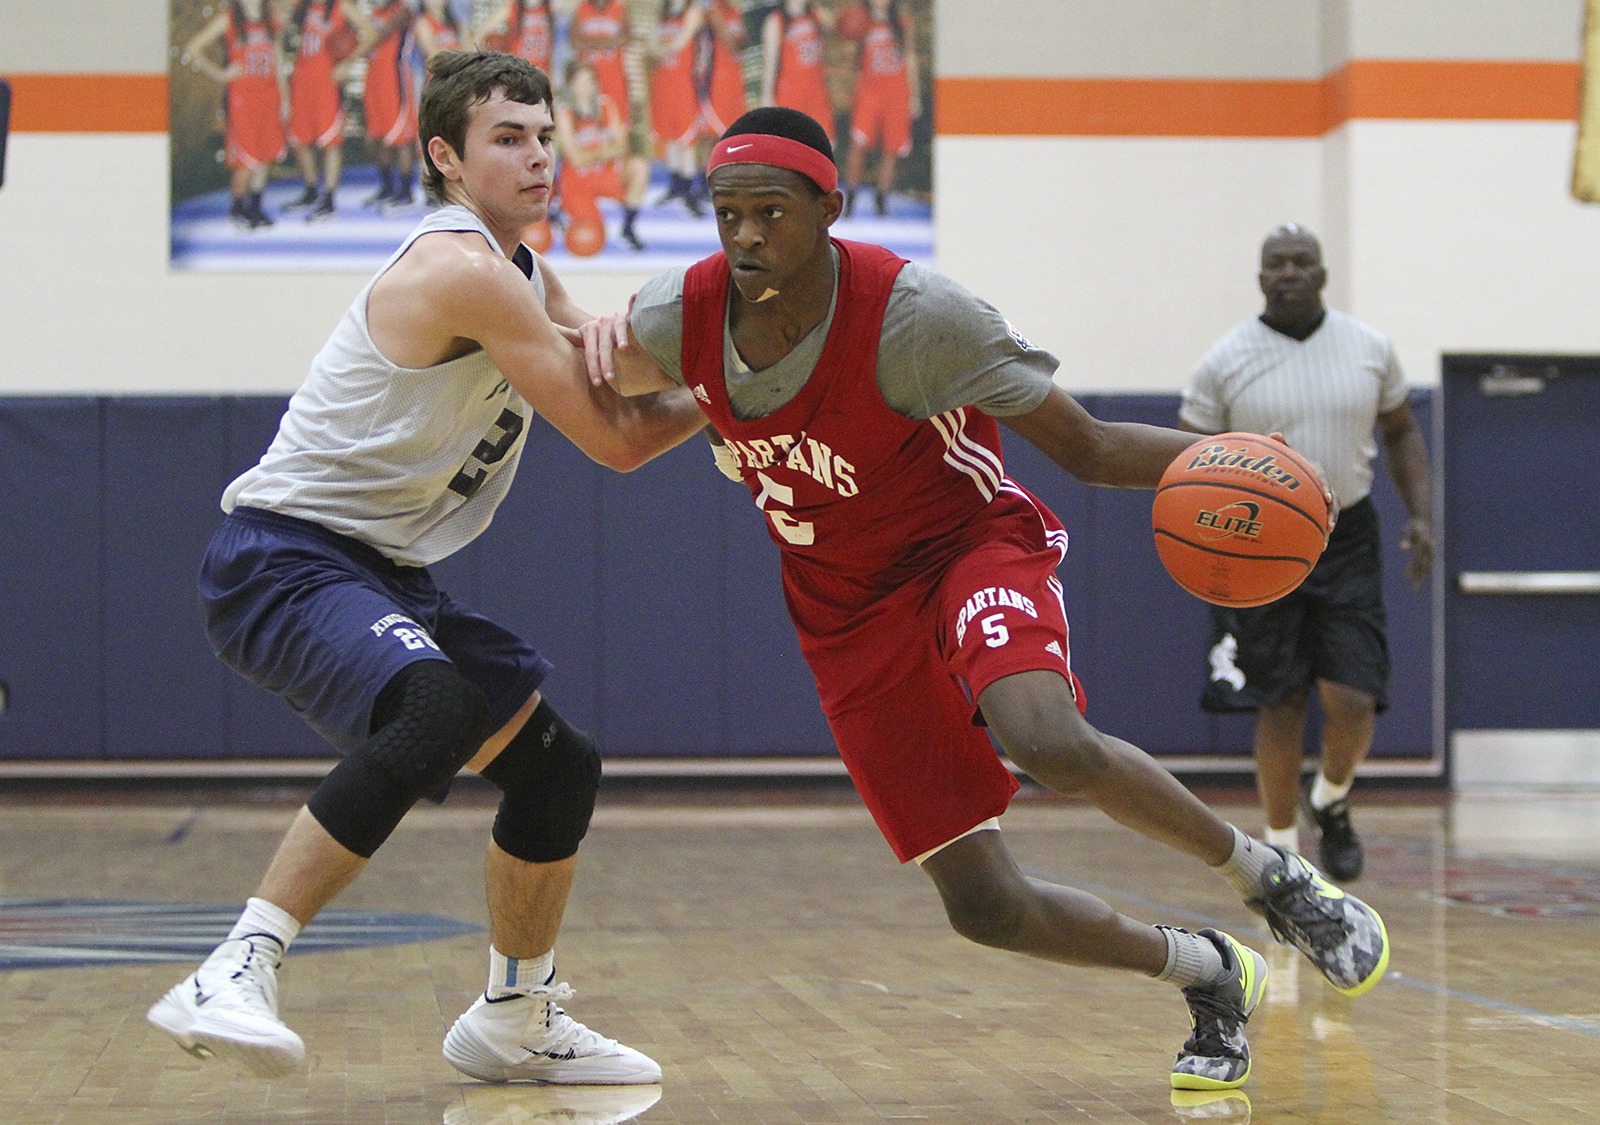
point(1328, 496)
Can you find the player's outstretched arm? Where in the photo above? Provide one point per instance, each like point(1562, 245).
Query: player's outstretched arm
point(614, 359)
point(1120, 454)
point(450, 292)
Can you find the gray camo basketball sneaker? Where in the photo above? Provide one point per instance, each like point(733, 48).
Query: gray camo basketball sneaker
point(1341, 935)
point(1216, 1055)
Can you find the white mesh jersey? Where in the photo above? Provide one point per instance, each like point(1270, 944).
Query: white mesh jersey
point(1323, 393)
point(412, 461)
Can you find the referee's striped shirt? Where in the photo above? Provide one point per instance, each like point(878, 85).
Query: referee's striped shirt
point(1323, 393)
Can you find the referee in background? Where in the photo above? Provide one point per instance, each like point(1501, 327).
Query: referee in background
point(1326, 382)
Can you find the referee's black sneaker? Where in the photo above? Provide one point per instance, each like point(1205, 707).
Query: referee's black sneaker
point(1340, 847)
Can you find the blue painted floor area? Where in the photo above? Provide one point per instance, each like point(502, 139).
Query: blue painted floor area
point(360, 237)
point(45, 933)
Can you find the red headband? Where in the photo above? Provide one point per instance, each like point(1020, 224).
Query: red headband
point(781, 152)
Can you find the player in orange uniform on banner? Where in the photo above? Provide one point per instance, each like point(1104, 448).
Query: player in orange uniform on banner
point(525, 28)
point(599, 34)
point(674, 103)
point(390, 103)
point(791, 60)
point(326, 35)
point(723, 86)
point(437, 29)
point(888, 98)
point(595, 163)
point(254, 99)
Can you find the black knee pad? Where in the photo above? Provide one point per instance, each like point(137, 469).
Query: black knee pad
point(549, 775)
point(428, 722)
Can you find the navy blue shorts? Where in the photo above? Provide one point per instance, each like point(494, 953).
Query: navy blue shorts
point(325, 622)
point(1331, 627)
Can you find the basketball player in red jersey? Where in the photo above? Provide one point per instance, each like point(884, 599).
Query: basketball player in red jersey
point(595, 163)
point(791, 60)
point(254, 99)
point(888, 99)
point(390, 100)
point(724, 86)
point(316, 99)
point(599, 34)
point(525, 28)
point(674, 102)
point(856, 395)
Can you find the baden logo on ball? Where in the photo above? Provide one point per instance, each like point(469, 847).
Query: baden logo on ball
point(1239, 519)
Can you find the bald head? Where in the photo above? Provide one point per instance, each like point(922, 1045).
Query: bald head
point(1292, 276)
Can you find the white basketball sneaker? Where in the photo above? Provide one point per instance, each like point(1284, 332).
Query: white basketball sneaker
point(228, 1009)
point(528, 1038)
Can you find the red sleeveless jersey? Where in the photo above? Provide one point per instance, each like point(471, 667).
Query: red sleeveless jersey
point(860, 499)
point(533, 38)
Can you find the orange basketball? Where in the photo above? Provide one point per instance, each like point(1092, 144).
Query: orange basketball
point(342, 43)
point(585, 238)
point(538, 237)
point(1239, 519)
point(854, 22)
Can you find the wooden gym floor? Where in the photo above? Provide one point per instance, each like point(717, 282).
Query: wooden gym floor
point(764, 946)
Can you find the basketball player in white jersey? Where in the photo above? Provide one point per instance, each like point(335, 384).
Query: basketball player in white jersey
point(1325, 381)
point(393, 454)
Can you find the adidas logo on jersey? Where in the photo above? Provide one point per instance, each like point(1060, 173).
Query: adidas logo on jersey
point(700, 393)
point(1055, 647)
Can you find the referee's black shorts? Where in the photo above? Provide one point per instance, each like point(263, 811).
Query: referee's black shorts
point(1332, 627)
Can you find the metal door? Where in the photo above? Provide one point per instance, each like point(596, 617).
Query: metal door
point(1522, 567)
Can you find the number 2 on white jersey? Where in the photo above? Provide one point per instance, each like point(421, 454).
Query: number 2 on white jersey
point(772, 499)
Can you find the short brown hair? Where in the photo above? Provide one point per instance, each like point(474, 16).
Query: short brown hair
point(459, 80)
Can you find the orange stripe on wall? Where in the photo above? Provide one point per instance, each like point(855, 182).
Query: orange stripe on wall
point(1124, 107)
point(1165, 107)
point(1480, 91)
point(1118, 107)
point(88, 103)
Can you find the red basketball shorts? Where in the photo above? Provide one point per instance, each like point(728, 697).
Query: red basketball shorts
point(316, 110)
point(675, 111)
point(882, 116)
point(807, 94)
point(583, 188)
point(727, 101)
point(391, 107)
point(254, 136)
point(899, 690)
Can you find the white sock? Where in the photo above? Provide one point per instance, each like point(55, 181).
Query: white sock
point(1325, 792)
point(510, 976)
point(1284, 837)
point(1243, 868)
point(1191, 959)
point(261, 917)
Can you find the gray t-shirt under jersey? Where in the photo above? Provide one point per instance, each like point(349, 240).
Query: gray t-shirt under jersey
point(942, 347)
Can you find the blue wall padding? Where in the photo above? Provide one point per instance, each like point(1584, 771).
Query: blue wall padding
point(655, 593)
point(51, 570)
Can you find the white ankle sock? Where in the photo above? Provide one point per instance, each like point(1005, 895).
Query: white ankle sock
point(1284, 837)
point(1325, 792)
point(1191, 959)
point(511, 976)
point(261, 917)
